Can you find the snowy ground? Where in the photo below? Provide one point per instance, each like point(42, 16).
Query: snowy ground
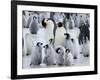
point(83, 61)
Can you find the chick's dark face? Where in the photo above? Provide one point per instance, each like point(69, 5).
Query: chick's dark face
point(46, 46)
point(58, 50)
point(67, 50)
point(39, 44)
point(67, 35)
point(44, 23)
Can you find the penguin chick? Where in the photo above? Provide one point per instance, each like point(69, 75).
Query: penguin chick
point(68, 60)
point(59, 56)
point(34, 25)
point(86, 48)
point(49, 58)
point(69, 43)
point(36, 56)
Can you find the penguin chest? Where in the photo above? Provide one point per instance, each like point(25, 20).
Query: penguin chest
point(49, 33)
point(60, 59)
point(59, 36)
point(69, 59)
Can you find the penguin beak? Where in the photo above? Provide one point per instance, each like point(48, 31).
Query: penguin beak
point(44, 23)
point(67, 35)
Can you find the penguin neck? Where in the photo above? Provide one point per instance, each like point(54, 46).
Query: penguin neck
point(61, 28)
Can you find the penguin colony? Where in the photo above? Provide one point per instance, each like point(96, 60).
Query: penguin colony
point(55, 38)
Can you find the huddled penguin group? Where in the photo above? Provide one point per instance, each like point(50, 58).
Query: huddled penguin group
point(55, 38)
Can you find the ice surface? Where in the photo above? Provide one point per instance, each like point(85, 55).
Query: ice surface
point(82, 61)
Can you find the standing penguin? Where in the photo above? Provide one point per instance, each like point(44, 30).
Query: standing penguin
point(60, 56)
point(49, 58)
point(59, 34)
point(48, 25)
point(29, 20)
point(34, 25)
point(24, 21)
point(36, 55)
point(76, 49)
point(86, 48)
point(68, 60)
point(69, 43)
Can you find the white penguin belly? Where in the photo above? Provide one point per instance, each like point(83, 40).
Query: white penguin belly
point(59, 36)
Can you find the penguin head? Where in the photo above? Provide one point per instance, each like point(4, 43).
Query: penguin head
point(47, 22)
point(67, 51)
point(44, 23)
point(60, 24)
point(67, 35)
point(39, 44)
point(51, 40)
point(60, 51)
point(46, 46)
point(24, 13)
point(73, 40)
point(34, 18)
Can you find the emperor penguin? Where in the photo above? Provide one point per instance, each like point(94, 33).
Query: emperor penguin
point(34, 25)
point(49, 58)
point(36, 55)
point(86, 48)
point(60, 51)
point(76, 46)
point(29, 42)
point(48, 25)
point(69, 43)
point(68, 60)
point(24, 20)
point(59, 34)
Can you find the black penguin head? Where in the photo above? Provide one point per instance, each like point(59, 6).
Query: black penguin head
point(51, 40)
point(60, 24)
point(47, 21)
point(23, 13)
point(67, 51)
point(67, 35)
point(58, 50)
point(39, 44)
point(46, 46)
point(44, 23)
point(34, 17)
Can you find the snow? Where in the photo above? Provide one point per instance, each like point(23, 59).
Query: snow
point(82, 61)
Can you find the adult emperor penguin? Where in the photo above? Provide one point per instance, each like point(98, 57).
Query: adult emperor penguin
point(59, 34)
point(48, 25)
